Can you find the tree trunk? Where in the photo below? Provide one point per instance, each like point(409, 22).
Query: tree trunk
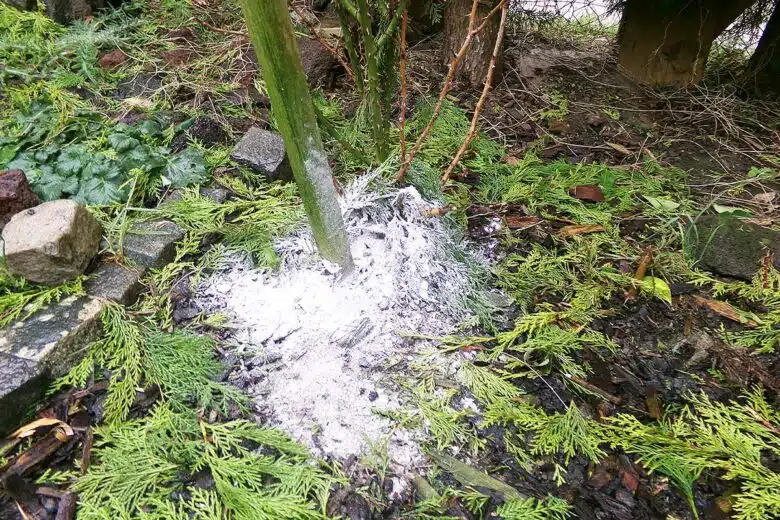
point(475, 63)
point(763, 70)
point(274, 41)
point(664, 43)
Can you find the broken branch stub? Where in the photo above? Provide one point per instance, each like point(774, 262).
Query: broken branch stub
point(274, 42)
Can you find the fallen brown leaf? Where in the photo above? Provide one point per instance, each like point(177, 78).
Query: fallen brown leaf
point(620, 148)
point(724, 309)
point(588, 192)
point(569, 231)
point(29, 430)
point(521, 222)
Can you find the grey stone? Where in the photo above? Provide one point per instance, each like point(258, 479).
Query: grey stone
point(115, 282)
point(54, 337)
point(264, 152)
point(152, 244)
point(51, 243)
point(731, 247)
point(22, 383)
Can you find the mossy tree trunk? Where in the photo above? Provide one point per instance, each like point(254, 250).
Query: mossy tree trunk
point(667, 42)
point(475, 63)
point(274, 41)
point(763, 70)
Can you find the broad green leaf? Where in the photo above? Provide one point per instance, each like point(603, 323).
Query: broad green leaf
point(46, 153)
point(51, 186)
point(102, 167)
point(122, 142)
point(137, 157)
point(7, 153)
point(149, 128)
point(661, 203)
point(24, 161)
point(658, 288)
point(72, 160)
point(98, 191)
point(731, 210)
point(186, 168)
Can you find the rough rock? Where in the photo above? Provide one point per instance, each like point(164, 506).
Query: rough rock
point(152, 244)
point(264, 152)
point(54, 337)
point(731, 247)
point(15, 195)
point(51, 243)
point(320, 66)
point(116, 283)
point(21, 381)
point(44, 346)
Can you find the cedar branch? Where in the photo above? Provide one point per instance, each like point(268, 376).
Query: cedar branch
point(402, 66)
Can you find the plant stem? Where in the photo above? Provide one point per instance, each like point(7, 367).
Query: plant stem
point(372, 71)
point(402, 66)
point(273, 38)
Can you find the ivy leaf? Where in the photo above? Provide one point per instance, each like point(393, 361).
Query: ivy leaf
point(7, 153)
point(137, 157)
point(46, 153)
point(186, 168)
point(122, 143)
point(658, 288)
point(98, 191)
point(72, 160)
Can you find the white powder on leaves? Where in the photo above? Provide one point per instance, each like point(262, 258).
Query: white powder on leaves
point(321, 349)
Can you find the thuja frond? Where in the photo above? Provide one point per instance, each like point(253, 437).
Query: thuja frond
point(567, 434)
point(711, 437)
point(551, 508)
point(446, 425)
point(180, 365)
point(184, 368)
point(19, 299)
point(487, 385)
point(141, 464)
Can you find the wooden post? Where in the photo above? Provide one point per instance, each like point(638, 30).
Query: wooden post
point(273, 38)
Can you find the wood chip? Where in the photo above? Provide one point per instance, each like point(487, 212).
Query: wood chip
point(570, 231)
point(620, 148)
point(724, 309)
point(29, 430)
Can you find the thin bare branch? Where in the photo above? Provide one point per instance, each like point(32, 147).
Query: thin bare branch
point(473, 31)
point(485, 90)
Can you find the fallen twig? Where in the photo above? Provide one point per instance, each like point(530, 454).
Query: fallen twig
point(473, 31)
point(474, 478)
point(596, 390)
point(485, 90)
point(724, 309)
point(221, 30)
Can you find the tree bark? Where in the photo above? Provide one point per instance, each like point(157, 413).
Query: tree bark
point(475, 63)
point(663, 43)
point(763, 69)
point(274, 41)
